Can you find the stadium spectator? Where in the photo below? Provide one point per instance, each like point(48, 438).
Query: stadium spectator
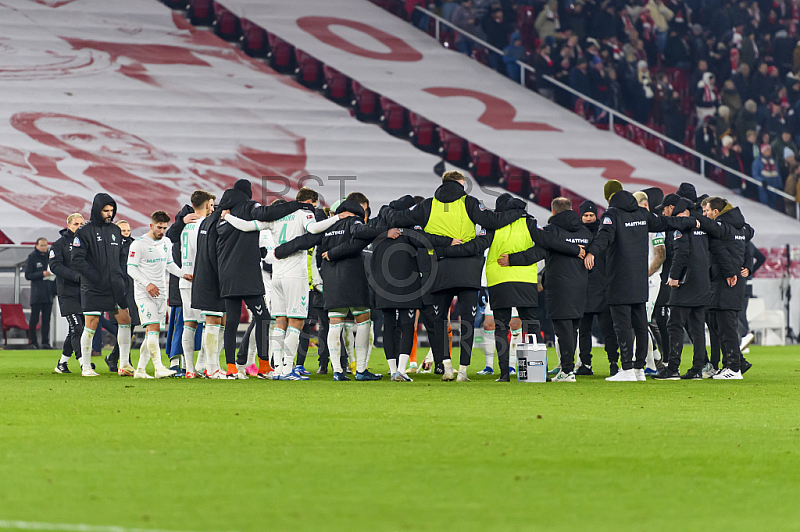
point(765, 170)
point(516, 52)
point(464, 17)
point(43, 290)
point(497, 32)
point(579, 79)
point(547, 22)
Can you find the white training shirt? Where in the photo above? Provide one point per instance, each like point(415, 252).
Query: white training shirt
point(189, 250)
point(149, 261)
point(265, 241)
point(289, 227)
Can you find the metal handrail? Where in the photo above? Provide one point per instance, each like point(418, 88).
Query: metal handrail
point(524, 67)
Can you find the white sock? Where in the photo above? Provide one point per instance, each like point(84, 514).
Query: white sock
point(220, 343)
point(154, 349)
point(516, 336)
point(462, 369)
point(370, 342)
point(335, 346)
point(252, 348)
point(558, 352)
point(200, 366)
point(63, 359)
point(187, 341)
point(392, 365)
point(649, 361)
point(86, 348)
point(212, 348)
point(402, 363)
point(362, 345)
point(448, 364)
point(290, 344)
point(144, 357)
point(349, 340)
point(489, 347)
point(276, 341)
point(124, 341)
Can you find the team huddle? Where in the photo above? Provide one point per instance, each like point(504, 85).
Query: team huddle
point(296, 266)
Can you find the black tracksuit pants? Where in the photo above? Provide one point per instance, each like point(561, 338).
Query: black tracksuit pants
point(72, 343)
point(693, 320)
point(233, 312)
point(467, 307)
point(713, 333)
point(398, 331)
point(631, 321)
point(661, 316)
point(43, 310)
point(609, 337)
point(502, 323)
point(567, 335)
point(726, 323)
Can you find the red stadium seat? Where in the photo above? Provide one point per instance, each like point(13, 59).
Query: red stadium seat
point(12, 317)
point(453, 148)
point(336, 86)
point(482, 164)
point(226, 24)
point(201, 12)
point(513, 178)
point(619, 129)
point(308, 71)
point(717, 174)
point(281, 54)
point(423, 133)
point(676, 158)
point(254, 39)
point(573, 197)
point(394, 117)
point(365, 102)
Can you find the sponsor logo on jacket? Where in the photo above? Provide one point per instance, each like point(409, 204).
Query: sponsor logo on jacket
point(577, 240)
point(637, 223)
point(333, 233)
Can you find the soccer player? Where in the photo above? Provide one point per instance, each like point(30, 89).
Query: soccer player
point(454, 213)
point(289, 279)
point(68, 285)
point(346, 287)
point(149, 260)
point(98, 254)
point(203, 205)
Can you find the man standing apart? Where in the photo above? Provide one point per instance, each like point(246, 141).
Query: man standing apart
point(42, 292)
point(68, 286)
point(99, 256)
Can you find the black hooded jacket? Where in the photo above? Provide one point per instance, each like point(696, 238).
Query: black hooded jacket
point(68, 280)
point(174, 234)
point(99, 256)
point(690, 268)
point(455, 272)
point(42, 292)
point(565, 277)
point(623, 234)
point(729, 235)
point(344, 278)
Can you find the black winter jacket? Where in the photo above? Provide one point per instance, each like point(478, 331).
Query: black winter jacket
point(455, 272)
point(623, 234)
point(98, 255)
point(690, 268)
point(42, 292)
point(565, 277)
point(596, 291)
point(344, 278)
point(729, 235)
point(174, 234)
point(68, 280)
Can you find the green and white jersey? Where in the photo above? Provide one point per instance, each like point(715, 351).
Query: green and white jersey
point(655, 239)
point(189, 250)
point(148, 262)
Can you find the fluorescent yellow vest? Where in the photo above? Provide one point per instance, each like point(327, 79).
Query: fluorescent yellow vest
point(510, 239)
point(450, 219)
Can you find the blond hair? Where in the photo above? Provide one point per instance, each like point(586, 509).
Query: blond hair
point(73, 216)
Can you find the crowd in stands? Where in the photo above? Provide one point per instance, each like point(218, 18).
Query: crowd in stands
point(720, 76)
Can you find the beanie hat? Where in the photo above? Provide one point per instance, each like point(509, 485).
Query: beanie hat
point(243, 185)
point(588, 206)
point(687, 190)
point(764, 148)
point(611, 187)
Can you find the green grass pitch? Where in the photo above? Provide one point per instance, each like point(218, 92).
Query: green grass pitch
point(262, 455)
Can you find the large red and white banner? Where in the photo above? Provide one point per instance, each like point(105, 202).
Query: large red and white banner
point(128, 98)
point(393, 58)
